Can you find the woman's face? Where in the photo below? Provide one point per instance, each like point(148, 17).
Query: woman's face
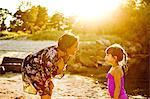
point(72, 50)
point(109, 59)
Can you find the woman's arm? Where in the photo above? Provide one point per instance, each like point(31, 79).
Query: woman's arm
point(46, 97)
point(51, 85)
point(61, 65)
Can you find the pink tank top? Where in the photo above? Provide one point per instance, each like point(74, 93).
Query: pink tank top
point(111, 87)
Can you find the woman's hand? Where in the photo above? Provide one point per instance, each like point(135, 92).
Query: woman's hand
point(61, 65)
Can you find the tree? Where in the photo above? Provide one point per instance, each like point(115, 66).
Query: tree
point(31, 19)
point(3, 16)
point(42, 16)
point(59, 22)
point(16, 23)
point(138, 3)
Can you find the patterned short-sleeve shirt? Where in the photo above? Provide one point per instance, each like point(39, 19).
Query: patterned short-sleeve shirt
point(39, 68)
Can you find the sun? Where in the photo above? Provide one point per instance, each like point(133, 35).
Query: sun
point(96, 8)
point(89, 9)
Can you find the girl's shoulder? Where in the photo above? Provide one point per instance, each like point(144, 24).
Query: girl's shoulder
point(117, 71)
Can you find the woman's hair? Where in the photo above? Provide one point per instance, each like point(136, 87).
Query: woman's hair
point(118, 50)
point(66, 41)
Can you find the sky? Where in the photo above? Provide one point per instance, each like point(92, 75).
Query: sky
point(13, 4)
point(84, 10)
point(52, 5)
point(69, 7)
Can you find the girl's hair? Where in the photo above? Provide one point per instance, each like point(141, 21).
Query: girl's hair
point(117, 50)
point(66, 41)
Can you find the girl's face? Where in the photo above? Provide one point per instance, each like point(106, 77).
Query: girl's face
point(110, 59)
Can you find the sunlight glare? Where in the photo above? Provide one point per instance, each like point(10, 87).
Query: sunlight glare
point(90, 9)
point(97, 8)
point(83, 9)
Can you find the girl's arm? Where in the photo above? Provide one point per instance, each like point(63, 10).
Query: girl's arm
point(117, 78)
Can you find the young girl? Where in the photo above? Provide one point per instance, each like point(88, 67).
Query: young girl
point(39, 68)
point(115, 55)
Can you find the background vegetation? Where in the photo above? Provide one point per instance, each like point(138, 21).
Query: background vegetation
point(128, 26)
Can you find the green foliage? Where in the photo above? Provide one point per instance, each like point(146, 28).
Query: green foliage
point(46, 35)
point(4, 35)
point(42, 16)
point(24, 5)
point(3, 15)
point(59, 22)
point(31, 19)
point(127, 24)
point(36, 19)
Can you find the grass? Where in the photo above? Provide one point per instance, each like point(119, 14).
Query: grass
point(4, 35)
point(45, 35)
point(41, 35)
point(54, 35)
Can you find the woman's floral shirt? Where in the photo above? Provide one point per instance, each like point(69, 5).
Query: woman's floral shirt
point(39, 68)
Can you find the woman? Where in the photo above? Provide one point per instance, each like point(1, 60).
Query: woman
point(39, 68)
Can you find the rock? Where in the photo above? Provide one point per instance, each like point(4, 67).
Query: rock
point(2, 70)
point(104, 42)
